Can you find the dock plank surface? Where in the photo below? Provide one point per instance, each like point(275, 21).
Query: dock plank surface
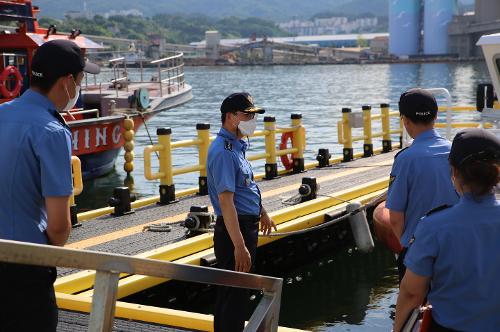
point(124, 235)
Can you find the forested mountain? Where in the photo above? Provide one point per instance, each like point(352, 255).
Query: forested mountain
point(276, 10)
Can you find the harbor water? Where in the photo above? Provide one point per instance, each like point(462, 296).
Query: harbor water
point(359, 293)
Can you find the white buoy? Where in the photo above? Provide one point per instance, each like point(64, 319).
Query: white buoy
point(360, 229)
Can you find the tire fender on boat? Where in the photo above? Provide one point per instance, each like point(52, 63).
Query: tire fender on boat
point(285, 159)
point(4, 76)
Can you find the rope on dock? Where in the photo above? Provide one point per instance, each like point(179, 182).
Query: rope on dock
point(161, 227)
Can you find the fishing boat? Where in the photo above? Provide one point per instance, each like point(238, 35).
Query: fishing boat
point(97, 121)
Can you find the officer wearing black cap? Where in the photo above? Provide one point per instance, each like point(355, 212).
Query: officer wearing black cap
point(37, 181)
point(457, 249)
point(237, 203)
point(420, 176)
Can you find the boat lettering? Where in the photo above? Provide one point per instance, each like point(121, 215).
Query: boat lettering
point(116, 135)
point(87, 138)
point(75, 140)
point(100, 136)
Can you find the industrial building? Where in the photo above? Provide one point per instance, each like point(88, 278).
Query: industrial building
point(433, 27)
point(342, 40)
point(419, 27)
point(464, 31)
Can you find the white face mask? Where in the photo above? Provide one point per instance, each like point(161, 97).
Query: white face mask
point(72, 101)
point(247, 128)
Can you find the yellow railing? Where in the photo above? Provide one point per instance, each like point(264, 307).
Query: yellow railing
point(165, 146)
point(364, 120)
point(352, 120)
point(76, 168)
point(458, 108)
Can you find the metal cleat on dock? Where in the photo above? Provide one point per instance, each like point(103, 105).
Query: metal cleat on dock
point(199, 220)
point(121, 201)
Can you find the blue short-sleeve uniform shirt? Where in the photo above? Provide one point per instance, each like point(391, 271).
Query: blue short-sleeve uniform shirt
point(421, 180)
point(229, 170)
point(36, 163)
point(459, 248)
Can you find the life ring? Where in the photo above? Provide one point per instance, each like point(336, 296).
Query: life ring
point(285, 159)
point(4, 76)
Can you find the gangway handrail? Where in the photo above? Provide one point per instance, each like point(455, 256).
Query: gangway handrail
point(178, 55)
point(117, 59)
point(109, 266)
point(447, 95)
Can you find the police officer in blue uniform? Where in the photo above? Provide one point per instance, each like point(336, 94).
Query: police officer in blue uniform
point(237, 203)
point(456, 250)
point(420, 176)
point(36, 181)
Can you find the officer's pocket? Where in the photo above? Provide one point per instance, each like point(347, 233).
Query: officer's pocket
point(245, 177)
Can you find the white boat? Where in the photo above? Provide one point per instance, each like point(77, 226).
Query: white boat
point(167, 88)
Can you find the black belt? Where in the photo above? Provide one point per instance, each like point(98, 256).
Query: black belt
point(243, 218)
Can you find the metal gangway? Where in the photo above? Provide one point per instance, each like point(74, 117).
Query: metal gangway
point(109, 266)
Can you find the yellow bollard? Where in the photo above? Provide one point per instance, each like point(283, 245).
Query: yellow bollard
point(167, 187)
point(386, 128)
point(367, 131)
point(76, 168)
point(271, 167)
point(204, 136)
point(347, 135)
point(298, 142)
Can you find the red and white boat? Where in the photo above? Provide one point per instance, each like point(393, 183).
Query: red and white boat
point(97, 123)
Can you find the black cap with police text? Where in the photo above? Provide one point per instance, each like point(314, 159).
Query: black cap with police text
point(240, 102)
point(57, 58)
point(418, 105)
point(474, 144)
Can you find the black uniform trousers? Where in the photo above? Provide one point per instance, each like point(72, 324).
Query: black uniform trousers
point(27, 299)
point(232, 304)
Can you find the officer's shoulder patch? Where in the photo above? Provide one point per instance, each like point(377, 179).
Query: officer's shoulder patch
point(391, 179)
point(397, 154)
point(439, 208)
point(228, 145)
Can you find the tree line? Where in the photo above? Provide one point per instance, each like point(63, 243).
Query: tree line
point(176, 29)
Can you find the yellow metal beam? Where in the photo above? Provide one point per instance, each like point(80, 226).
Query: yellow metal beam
point(148, 314)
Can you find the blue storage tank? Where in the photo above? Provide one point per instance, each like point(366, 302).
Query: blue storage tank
point(404, 27)
point(437, 15)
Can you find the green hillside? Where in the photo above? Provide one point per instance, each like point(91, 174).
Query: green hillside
point(277, 10)
point(175, 28)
